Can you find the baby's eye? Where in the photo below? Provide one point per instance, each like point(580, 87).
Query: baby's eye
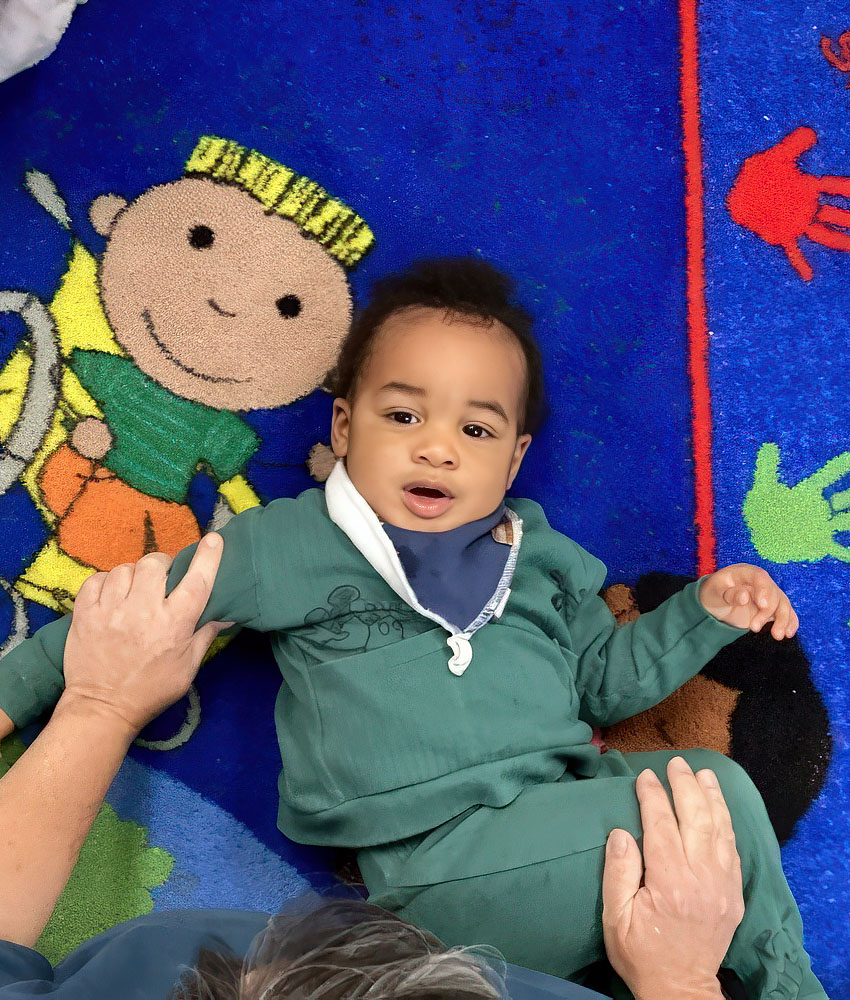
point(401, 417)
point(476, 431)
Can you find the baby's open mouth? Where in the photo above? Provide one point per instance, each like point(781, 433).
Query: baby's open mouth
point(426, 501)
point(425, 491)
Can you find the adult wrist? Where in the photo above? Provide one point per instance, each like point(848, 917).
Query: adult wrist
point(93, 712)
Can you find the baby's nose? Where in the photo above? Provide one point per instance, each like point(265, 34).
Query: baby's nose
point(438, 453)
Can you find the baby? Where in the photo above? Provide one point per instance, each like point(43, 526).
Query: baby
point(444, 652)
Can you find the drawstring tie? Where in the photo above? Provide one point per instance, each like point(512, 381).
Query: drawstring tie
point(461, 647)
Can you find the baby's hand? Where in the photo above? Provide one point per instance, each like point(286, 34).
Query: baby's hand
point(745, 596)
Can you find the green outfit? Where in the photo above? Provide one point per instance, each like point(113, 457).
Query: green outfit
point(158, 437)
point(464, 781)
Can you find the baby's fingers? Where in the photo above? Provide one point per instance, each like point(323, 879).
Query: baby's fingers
point(768, 606)
point(795, 622)
point(785, 624)
point(737, 596)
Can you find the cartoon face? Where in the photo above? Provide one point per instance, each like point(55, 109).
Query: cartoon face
point(216, 299)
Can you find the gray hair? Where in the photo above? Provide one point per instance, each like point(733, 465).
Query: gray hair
point(335, 949)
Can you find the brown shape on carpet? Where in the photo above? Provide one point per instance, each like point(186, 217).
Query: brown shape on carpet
point(695, 715)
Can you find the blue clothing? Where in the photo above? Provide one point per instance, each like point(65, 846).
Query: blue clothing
point(143, 958)
point(454, 572)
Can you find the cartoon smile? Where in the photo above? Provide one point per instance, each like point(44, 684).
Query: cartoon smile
point(218, 309)
point(146, 316)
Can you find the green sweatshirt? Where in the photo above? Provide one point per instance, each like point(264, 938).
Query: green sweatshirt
point(379, 738)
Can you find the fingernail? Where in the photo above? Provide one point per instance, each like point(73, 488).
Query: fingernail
point(681, 763)
point(213, 540)
point(617, 843)
point(648, 775)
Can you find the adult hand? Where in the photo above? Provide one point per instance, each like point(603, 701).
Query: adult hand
point(747, 597)
point(131, 651)
point(668, 919)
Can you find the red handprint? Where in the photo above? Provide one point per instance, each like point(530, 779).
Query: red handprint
point(842, 59)
point(780, 203)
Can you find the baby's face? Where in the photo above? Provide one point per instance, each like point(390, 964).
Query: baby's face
point(430, 439)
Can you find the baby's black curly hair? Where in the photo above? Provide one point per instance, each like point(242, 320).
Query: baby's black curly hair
point(463, 286)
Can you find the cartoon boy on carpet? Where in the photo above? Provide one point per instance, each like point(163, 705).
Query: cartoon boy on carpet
point(220, 292)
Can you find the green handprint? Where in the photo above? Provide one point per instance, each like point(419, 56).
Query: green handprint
point(796, 523)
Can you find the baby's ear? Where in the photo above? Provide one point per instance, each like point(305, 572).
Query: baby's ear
point(522, 443)
point(104, 210)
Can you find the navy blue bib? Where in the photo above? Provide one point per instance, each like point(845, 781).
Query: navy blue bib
point(453, 573)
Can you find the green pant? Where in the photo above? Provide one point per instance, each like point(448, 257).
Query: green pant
point(527, 877)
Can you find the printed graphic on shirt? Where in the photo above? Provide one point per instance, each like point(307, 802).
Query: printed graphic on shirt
point(352, 625)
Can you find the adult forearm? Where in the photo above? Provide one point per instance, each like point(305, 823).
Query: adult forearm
point(48, 800)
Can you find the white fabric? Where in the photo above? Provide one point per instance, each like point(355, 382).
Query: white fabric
point(30, 30)
point(349, 511)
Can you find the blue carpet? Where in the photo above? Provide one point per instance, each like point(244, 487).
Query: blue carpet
point(547, 138)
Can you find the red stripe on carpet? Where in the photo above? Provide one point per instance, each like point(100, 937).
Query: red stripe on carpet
point(695, 289)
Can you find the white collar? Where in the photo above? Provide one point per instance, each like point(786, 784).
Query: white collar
point(349, 511)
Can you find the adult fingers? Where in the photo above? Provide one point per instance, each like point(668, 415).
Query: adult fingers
point(89, 592)
point(149, 575)
point(190, 596)
point(203, 639)
point(696, 826)
point(117, 584)
point(662, 842)
point(726, 862)
point(724, 834)
point(621, 876)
